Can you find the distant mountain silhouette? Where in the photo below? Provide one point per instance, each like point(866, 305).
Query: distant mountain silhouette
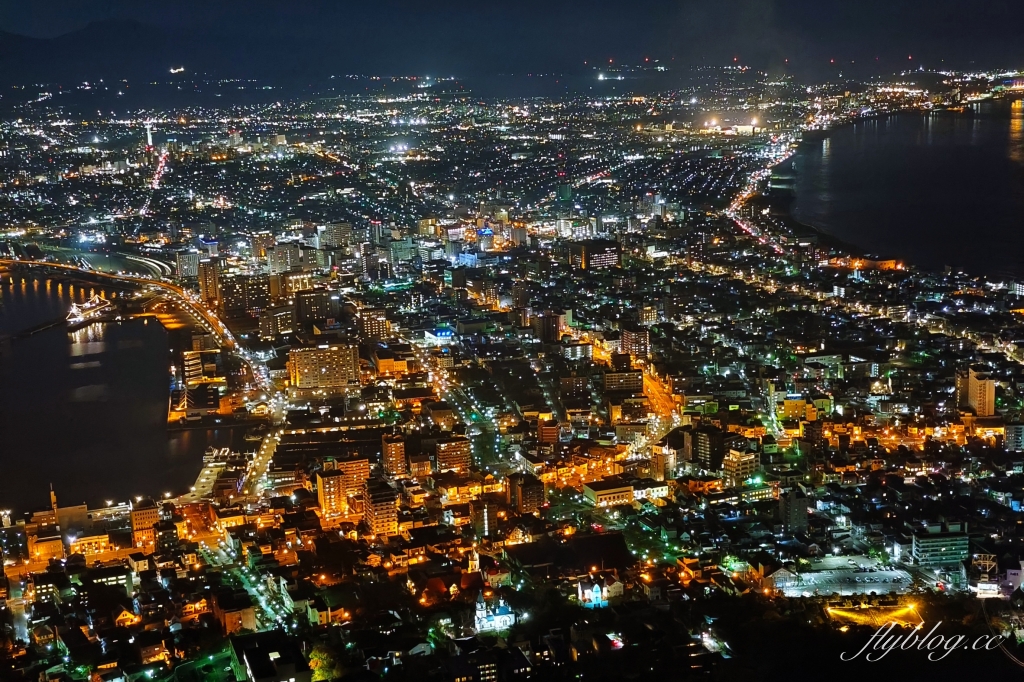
point(108, 50)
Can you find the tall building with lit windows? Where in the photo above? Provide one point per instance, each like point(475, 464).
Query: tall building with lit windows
point(188, 264)
point(636, 341)
point(259, 243)
point(740, 464)
point(337, 234)
point(327, 369)
point(144, 515)
point(313, 305)
point(373, 323)
point(340, 483)
point(331, 493)
point(594, 254)
point(976, 390)
point(393, 457)
point(454, 454)
point(380, 507)
point(242, 295)
point(209, 280)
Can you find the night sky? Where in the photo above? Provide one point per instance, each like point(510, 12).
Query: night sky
point(459, 36)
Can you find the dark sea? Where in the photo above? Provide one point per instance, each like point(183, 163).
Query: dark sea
point(86, 411)
point(938, 189)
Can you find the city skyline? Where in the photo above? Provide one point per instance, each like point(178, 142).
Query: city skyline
point(359, 343)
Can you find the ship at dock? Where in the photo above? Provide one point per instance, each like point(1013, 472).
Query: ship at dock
point(92, 310)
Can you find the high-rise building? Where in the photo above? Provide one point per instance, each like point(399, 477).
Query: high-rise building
point(393, 457)
point(574, 386)
point(340, 484)
point(259, 243)
point(314, 305)
point(277, 321)
point(209, 280)
point(454, 454)
point(282, 258)
point(380, 507)
point(483, 514)
point(257, 294)
point(631, 381)
point(793, 511)
point(636, 341)
point(188, 264)
point(740, 464)
point(355, 469)
point(337, 234)
point(548, 326)
point(144, 515)
point(326, 369)
point(332, 493)
point(525, 493)
point(231, 301)
point(242, 295)
point(373, 323)
point(976, 390)
point(594, 254)
point(705, 445)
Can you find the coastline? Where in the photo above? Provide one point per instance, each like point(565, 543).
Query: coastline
point(173, 453)
point(782, 194)
point(781, 199)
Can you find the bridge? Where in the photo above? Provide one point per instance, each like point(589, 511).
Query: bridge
point(207, 319)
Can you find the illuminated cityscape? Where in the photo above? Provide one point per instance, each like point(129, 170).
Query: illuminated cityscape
point(483, 388)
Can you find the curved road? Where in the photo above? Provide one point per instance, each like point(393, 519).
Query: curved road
point(209, 321)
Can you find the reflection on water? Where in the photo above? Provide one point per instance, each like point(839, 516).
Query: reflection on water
point(86, 347)
point(1016, 150)
point(86, 411)
point(935, 189)
point(90, 393)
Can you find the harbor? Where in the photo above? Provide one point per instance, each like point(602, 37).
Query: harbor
point(103, 382)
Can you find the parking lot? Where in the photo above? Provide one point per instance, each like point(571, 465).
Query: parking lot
point(847, 576)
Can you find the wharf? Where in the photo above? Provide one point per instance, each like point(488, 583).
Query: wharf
point(214, 462)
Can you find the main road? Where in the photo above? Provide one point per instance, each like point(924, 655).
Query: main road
point(485, 443)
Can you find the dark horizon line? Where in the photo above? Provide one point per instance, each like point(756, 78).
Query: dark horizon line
point(153, 44)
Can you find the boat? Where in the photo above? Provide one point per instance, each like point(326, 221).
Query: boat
point(216, 454)
point(92, 309)
point(256, 433)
